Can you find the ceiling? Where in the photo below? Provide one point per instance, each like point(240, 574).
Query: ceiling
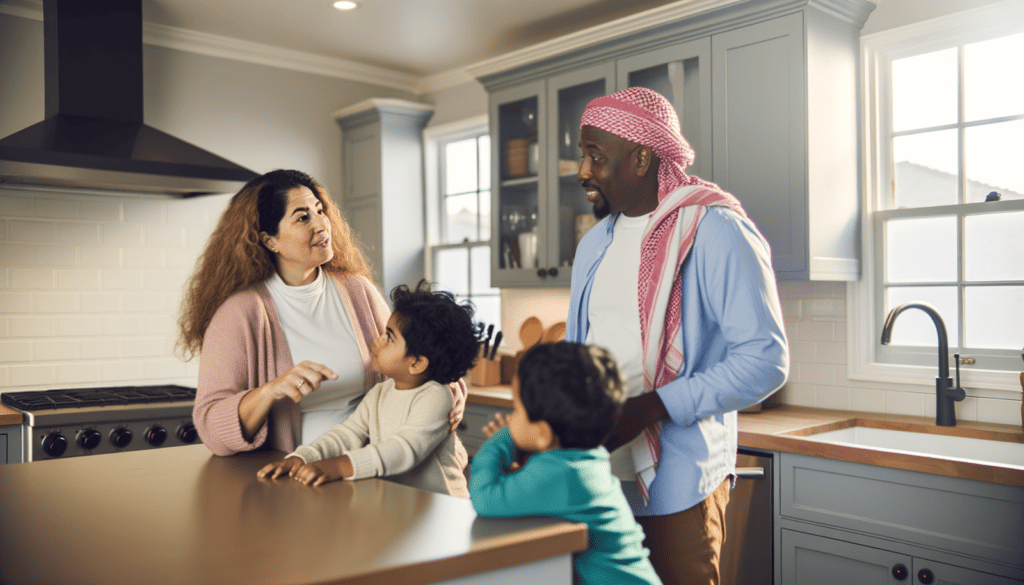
point(418, 37)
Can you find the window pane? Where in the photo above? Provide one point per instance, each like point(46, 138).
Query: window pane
point(484, 155)
point(488, 310)
point(991, 86)
point(460, 218)
point(994, 155)
point(485, 216)
point(914, 327)
point(480, 282)
point(921, 250)
point(994, 247)
point(924, 90)
point(994, 316)
point(926, 169)
point(451, 270)
point(460, 166)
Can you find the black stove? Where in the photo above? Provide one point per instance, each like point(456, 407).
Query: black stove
point(87, 421)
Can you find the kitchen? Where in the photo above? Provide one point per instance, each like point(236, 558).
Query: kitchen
point(91, 283)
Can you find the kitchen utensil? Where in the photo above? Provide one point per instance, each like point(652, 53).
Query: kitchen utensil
point(497, 342)
point(531, 332)
point(528, 249)
point(487, 341)
point(554, 333)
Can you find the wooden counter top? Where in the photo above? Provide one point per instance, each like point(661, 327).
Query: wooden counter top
point(182, 515)
point(9, 417)
point(780, 428)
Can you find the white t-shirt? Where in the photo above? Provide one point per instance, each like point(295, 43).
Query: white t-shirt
point(614, 314)
point(318, 329)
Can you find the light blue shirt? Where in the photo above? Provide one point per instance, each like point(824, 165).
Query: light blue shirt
point(734, 346)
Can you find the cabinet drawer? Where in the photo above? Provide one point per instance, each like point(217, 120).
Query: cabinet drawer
point(972, 518)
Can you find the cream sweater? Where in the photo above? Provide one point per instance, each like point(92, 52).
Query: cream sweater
point(401, 434)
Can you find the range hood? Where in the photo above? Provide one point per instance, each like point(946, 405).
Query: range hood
point(93, 136)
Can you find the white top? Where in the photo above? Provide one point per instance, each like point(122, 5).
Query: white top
point(614, 313)
point(399, 434)
point(317, 328)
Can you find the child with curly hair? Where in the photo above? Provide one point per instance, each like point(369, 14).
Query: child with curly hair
point(565, 400)
point(401, 430)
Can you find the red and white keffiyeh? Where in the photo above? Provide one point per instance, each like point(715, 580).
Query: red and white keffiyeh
point(645, 117)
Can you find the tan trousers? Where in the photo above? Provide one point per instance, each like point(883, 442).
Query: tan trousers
point(685, 546)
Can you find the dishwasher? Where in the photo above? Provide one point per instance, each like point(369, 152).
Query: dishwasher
point(747, 553)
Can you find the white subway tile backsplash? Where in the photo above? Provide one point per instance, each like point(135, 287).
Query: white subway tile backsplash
point(14, 254)
point(165, 279)
point(78, 373)
point(5, 326)
point(64, 208)
point(148, 347)
point(5, 377)
point(834, 397)
point(100, 302)
point(30, 231)
point(115, 279)
point(15, 302)
point(165, 368)
point(165, 324)
point(83, 234)
point(143, 257)
point(909, 403)
point(144, 211)
point(815, 331)
point(801, 351)
point(1005, 412)
point(15, 351)
point(123, 371)
point(830, 352)
point(32, 278)
point(15, 204)
point(54, 350)
point(122, 234)
point(31, 326)
point(123, 325)
point(165, 235)
point(818, 374)
point(56, 302)
point(99, 256)
point(78, 278)
point(101, 349)
point(143, 302)
point(32, 375)
point(55, 256)
point(799, 394)
point(97, 209)
point(77, 326)
point(867, 400)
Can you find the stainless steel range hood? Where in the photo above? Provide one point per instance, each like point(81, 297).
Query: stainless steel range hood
point(93, 136)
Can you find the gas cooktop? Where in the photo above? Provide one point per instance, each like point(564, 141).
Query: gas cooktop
point(84, 397)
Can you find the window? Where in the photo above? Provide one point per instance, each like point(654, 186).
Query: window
point(945, 185)
point(459, 214)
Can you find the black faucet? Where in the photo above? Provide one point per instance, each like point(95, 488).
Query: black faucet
point(946, 394)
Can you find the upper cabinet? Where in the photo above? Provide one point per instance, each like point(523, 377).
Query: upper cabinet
point(767, 96)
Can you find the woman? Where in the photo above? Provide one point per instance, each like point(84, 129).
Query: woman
point(281, 280)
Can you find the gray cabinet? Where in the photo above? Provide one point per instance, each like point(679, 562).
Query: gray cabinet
point(767, 94)
point(866, 519)
point(10, 444)
point(382, 175)
point(474, 420)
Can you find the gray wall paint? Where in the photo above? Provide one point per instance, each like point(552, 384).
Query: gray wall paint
point(260, 117)
point(457, 103)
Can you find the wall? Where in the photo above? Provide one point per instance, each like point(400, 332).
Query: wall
point(90, 285)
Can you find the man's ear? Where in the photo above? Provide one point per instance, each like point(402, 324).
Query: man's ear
point(419, 365)
point(644, 159)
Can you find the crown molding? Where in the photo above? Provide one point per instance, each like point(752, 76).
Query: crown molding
point(443, 80)
point(211, 45)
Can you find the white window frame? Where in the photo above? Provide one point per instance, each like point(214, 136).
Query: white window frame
point(433, 138)
point(864, 325)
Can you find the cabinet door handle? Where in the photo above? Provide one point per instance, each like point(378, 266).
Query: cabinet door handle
point(925, 576)
point(541, 272)
point(552, 272)
point(900, 572)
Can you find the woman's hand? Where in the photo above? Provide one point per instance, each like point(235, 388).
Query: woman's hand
point(323, 471)
point(459, 392)
point(299, 382)
point(286, 466)
point(495, 425)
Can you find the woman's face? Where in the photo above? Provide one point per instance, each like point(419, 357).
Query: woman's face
point(303, 240)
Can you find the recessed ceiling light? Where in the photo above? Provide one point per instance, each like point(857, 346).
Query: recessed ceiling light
point(346, 5)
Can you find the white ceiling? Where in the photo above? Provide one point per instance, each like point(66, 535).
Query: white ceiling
point(419, 37)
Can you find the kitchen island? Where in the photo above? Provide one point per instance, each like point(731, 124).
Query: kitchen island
point(182, 515)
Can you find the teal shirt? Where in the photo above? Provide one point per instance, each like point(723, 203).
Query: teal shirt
point(572, 484)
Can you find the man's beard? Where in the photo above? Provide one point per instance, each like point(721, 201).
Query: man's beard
point(601, 208)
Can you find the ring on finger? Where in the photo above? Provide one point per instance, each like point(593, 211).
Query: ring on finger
point(299, 387)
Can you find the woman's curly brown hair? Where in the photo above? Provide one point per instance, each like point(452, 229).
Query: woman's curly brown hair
point(235, 258)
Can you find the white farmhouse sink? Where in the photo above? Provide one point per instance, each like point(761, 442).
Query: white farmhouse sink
point(985, 451)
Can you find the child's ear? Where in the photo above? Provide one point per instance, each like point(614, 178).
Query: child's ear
point(419, 365)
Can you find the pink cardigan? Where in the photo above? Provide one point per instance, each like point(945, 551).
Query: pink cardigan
point(244, 347)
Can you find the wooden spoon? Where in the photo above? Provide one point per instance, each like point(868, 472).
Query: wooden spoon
point(531, 332)
point(554, 333)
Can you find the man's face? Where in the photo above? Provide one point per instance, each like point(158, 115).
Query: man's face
point(608, 172)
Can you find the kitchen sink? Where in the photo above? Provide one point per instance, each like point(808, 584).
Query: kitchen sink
point(987, 448)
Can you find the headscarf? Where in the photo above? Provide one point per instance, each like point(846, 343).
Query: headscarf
point(643, 116)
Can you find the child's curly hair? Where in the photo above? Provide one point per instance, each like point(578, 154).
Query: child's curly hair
point(438, 328)
point(575, 388)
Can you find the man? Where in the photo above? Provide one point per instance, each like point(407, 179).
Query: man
point(678, 284)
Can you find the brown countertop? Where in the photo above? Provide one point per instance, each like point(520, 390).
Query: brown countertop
point(780, 428)
point(182, 515)
point(9, 417)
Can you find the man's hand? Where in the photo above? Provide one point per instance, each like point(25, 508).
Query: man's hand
point(637, 414)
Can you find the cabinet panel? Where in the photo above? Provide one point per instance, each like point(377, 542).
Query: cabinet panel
point(812, 560)
point(943, 574)
point(473, 421)
point(760, 131)
point(3, 449)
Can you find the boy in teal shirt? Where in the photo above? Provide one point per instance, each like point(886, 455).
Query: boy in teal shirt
point(565, 399)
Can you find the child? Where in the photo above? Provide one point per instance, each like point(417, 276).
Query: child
point(401, 430)
point(565, 398)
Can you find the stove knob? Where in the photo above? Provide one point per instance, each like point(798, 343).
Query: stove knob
point(156, 435)
point(54, 444)
point(89, 439)
point(120, 437)
point(187, 433)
